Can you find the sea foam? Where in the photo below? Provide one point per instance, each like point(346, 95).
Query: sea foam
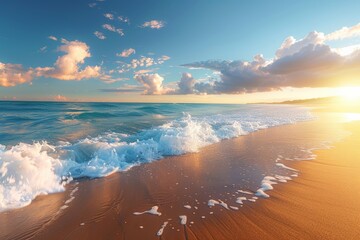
point(28, 170)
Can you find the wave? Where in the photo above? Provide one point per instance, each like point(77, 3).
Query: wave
point(28, 170)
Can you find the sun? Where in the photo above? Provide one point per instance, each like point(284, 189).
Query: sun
point(350, 94)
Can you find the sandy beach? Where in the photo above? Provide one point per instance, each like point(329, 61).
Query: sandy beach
point(321, 203)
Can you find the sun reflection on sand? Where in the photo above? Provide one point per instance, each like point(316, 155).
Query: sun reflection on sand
point(350, 117)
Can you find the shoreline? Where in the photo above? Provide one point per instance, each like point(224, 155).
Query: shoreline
point(104, 207)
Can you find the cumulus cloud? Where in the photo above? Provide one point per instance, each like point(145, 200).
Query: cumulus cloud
point(99, 35)
point(126, 52)
point(154, 24)
point(308, 62)
point(186, 84)
point(153, 83)
point(67, 67)
point(345, 32)
point(14, 74)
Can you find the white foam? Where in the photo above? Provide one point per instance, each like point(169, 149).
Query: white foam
point(245, 192)
point(266, 184)
point(183, 219)
point(153, 210)
point(240, 200)
point(286, 167)
point(28, 170)
point(187, 206)
point(161, 230)
point(212, 203)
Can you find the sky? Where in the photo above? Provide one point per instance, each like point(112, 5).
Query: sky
point(177, 51)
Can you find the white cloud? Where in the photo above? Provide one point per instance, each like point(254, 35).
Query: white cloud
point(14, 74)
point(153, 83)
point(124, 19)
point(43, 49)
point(154, 24)
point(53, 38)
point(109, 27)
point(99, 35)
point(109, 16)
point(126, 52)
point(66, 67)
point(142, 62)
point(60, 98)
point(162, 59)
point(113, 29)
point(345, 32)
point(143, 71)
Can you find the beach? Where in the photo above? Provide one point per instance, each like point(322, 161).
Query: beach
point(319, 202)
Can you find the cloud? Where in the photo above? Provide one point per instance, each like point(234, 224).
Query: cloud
point(66, 67)
point(124, 19)
point(162, 59)
point(14, 74)
point(110, 79)
point(60, 98)
point(186, 84)
point(53, 38)
point(125, 89)
point(153, 83)
point(113, 29)
point(92, 5)
point(142, 62)
point(154, 24)
point(142, 71)
point(308, 62)
point(126, 52)
point(345, 32)
point(109, 16)
point(99, 35)
point(43, 49)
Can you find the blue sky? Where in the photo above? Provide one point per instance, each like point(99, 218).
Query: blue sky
point(190, 32)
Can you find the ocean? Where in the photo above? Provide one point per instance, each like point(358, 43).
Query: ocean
point(45, 145)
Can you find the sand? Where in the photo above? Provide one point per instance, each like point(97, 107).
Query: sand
point(322, 203)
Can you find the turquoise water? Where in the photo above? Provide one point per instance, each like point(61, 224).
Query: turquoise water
point(54, 121)
point(45, 145)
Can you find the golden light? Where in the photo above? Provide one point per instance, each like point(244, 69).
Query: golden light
point(351, 94)
point(350, 117)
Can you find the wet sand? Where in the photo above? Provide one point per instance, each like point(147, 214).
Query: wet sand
point(322, 203)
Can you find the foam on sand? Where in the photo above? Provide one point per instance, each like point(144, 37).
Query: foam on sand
point(161, 230)
point(183, 219)
point(153, 210)
point(240, 200)
point(286, 167)
point(266, 184)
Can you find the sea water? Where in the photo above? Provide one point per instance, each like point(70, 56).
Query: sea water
point(45, 145)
